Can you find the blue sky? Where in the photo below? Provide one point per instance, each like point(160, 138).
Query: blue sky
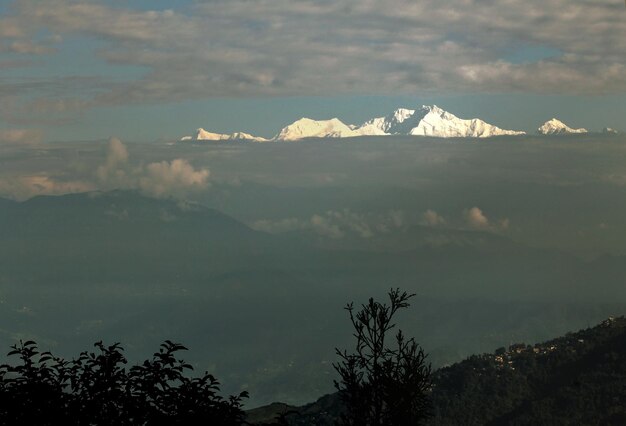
point(148, 70)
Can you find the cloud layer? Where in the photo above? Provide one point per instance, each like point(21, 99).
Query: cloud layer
point(336, 224)
point(176, 178)
point(236, 48)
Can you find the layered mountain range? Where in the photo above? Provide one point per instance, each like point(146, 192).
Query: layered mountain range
point(427, 120)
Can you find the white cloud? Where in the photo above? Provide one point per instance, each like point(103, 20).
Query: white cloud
point(432, 218)
point(175, 178)
point(115, 171)
point(278, 226)
point(337, 224)
point(324, 226)
point(476, 219)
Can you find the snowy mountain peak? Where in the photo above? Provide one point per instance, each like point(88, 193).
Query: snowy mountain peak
point(609, 131)
point(204, 135)
point(432, 121)
point(398, 122)
point(307, 128)
point(402, 114)
point(557, 127)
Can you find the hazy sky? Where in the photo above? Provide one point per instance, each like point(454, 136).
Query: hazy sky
point(144, 70)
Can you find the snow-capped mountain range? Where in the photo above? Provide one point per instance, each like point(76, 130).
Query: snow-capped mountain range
point(425, 121)
point(432, 121)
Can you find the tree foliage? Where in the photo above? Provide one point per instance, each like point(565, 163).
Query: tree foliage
point(97, 389)
point(576, 379)
point(382, 384)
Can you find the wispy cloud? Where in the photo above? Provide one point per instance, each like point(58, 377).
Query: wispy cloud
point(24, 187)
point(28, 47)
point(336, 224)
point(290, 47)
point(21, 136)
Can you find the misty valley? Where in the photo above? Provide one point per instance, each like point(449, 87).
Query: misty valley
point(503, 241)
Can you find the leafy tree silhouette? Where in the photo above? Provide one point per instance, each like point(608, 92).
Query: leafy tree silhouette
point(96, 389)
point(382, 385)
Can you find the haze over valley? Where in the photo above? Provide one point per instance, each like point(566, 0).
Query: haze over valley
point(248, 252)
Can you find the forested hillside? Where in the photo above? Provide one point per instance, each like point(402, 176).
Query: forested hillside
point(577, 379)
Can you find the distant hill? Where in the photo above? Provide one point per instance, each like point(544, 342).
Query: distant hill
point(93, 234)
point(576, 379)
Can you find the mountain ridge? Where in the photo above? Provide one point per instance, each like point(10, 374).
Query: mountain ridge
point(435, 122)
point(205, 135)
point(555, 126)
point(425, 121)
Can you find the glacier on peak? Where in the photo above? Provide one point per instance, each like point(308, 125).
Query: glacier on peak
point(204, 135)
point(308, 128)
point(425, 121)
point(557, 127)
point(435, 122)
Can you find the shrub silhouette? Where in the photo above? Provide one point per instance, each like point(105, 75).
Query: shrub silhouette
point(382, 385)
point(97, 389)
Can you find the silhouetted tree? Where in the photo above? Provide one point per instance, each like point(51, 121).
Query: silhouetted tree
point(382, 384)
point(96, 389)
